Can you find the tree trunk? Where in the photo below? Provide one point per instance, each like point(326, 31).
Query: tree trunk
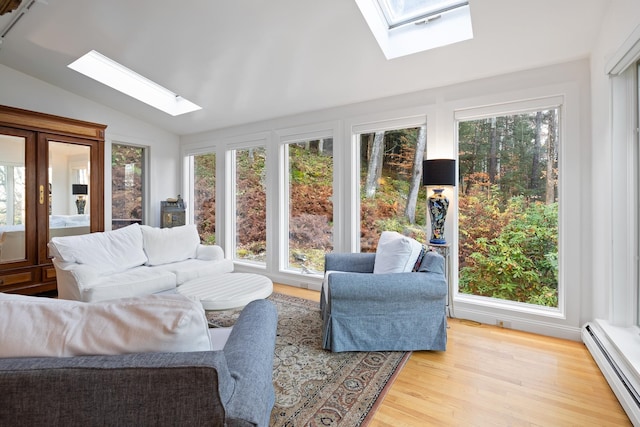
point(550, 193)
point(535, 161)
point(493, 151)
point(375, 165)
point(416, 176)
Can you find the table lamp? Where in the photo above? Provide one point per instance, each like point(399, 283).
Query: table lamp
point(80, 190)
point(438, 173)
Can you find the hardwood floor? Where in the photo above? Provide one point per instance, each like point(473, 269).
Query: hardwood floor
point(491, 376)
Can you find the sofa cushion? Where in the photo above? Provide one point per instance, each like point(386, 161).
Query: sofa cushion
point(108, 252)
point(134, 282)
point(45, 327)
point(396, 253)
point(194, 268)
point(166, 245)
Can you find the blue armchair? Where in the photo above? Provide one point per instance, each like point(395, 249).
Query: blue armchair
point(362, 311)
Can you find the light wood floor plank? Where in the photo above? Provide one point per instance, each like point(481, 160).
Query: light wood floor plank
point(491, 376)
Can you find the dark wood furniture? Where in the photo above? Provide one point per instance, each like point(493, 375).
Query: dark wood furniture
point(38, 141)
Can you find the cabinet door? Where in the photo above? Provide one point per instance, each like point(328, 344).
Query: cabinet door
point(69, 180)
point(17, 197)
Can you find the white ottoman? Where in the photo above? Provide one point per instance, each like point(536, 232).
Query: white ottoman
point(228, 290)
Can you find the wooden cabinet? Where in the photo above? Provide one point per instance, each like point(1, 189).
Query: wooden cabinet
point(44, 160)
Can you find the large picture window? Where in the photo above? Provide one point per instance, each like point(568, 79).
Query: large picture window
point(204, 196)
point(310, 204)
point(250, 204)
point(508, 207)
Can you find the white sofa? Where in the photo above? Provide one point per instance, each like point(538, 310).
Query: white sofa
point(132, 261)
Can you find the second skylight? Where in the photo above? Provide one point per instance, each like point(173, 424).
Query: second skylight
point(121, 78)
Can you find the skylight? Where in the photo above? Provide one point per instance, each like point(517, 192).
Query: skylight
point(119, 77)
point(404, 27)
point(401, 12)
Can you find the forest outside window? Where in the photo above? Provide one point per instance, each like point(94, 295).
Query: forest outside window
point(391, 195)
point(127, 188)
point(310, 204)
point(508, 207)
point(250, 204)
point(203, 173)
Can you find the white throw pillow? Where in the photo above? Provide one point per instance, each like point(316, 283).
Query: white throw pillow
point(166, 245)
point(46, 327)
point(108, 252)
point(396, 253)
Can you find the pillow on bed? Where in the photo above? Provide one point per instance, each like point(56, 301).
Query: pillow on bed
point(46, 327)
point(396, 253)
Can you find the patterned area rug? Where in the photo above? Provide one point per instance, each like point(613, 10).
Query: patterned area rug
point(315, 387)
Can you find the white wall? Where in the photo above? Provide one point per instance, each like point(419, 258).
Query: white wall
point(622, 18)
point(22, 91)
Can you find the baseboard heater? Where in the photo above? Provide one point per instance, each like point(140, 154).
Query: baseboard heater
point(610, 364)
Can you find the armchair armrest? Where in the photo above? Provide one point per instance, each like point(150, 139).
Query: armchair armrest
point(249, 352)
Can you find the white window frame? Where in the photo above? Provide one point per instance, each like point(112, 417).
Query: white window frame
point(506, 110)
point(244, 143)
point(146, 204)
point(565, 320)
point(357, 129)
point(284, 138)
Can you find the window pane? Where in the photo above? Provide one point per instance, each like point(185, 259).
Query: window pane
point(402, 11)
point(127, 188)
point(251, 201)
point(204, 196)
point(391, 194)
point(310, 204)
point(508, 207)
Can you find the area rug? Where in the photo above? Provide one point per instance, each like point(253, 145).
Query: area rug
point(315, 387)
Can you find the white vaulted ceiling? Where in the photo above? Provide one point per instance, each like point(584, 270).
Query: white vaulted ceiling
point(250, 60)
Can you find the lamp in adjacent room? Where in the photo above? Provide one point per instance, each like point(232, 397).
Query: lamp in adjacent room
point(438, 173)
point(80, 190)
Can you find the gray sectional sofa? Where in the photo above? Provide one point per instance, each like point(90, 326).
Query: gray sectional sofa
point(229, 387)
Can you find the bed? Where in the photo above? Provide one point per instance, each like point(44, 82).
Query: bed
point(12, 239)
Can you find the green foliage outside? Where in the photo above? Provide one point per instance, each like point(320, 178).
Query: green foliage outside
point(507, 201)
point(517, 262)
point(508, 208)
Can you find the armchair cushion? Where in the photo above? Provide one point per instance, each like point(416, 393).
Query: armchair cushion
point(45, 327)
point(396, 253)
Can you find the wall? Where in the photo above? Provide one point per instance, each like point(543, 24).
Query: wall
point(22, 91)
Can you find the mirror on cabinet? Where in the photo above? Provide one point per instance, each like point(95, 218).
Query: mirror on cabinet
point(68, 177)
point(12, 198)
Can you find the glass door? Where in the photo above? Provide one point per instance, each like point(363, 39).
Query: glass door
point(16, 212)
